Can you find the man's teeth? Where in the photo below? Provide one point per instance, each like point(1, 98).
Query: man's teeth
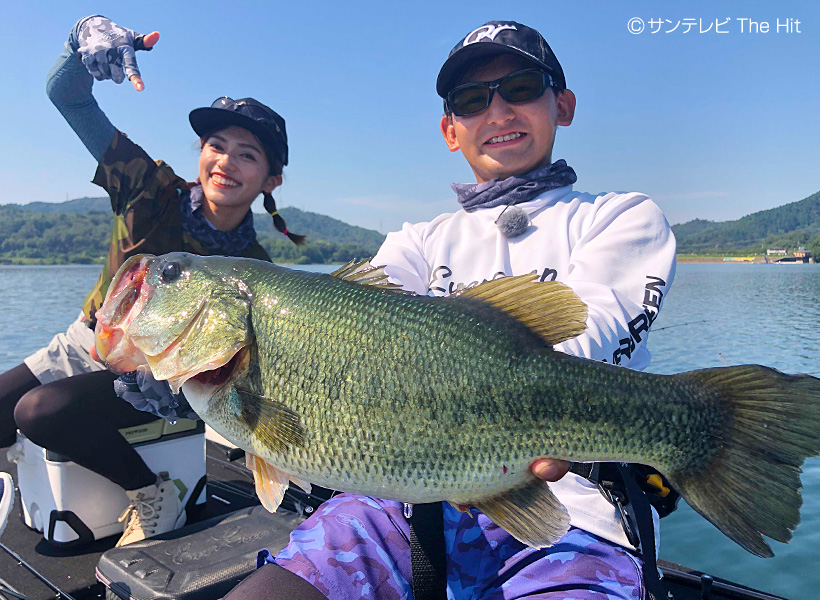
point(224, 181)
point(505, 138)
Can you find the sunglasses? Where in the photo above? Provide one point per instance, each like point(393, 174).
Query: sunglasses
point(256, 113)
point(521, 86)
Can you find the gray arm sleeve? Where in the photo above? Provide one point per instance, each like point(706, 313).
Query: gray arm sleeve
point(69, 87)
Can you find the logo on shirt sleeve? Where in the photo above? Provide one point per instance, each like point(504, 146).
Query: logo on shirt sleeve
point(652, 298)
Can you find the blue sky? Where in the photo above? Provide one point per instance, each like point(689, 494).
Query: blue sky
point(710, 125)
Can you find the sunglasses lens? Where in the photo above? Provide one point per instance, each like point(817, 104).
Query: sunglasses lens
point(255, 112)
point(523, 86)
point(222, 102)
point(470, 99)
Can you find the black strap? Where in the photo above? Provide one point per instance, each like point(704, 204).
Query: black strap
point(427, 551)
point(618, 485)
point(642, 515)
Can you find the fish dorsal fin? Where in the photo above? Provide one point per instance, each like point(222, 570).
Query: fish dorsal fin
point(361, 271)
point(273, 423)
point(270, 482)
point(550, 308)
point(531, 514)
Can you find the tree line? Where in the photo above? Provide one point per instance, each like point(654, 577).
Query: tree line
point(78, 231)
point(32, 237)
point(789, 226)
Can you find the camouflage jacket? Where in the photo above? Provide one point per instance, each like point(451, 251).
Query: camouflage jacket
point(145, 197)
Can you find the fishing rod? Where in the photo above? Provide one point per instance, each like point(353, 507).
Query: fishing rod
point(680, 325)
point(34, 571)
point(6, 589)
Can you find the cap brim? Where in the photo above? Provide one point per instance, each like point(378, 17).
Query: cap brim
point(453, 67)
point(209, 120)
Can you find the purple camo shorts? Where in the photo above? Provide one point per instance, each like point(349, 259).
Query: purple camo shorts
point(358, 547)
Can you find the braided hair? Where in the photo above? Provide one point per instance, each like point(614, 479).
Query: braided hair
point(279, 222)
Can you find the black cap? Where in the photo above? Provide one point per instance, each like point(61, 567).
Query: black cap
point(249, 114)
point(499, 37)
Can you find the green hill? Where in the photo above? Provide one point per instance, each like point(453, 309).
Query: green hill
point(76, 206)
point(77, 231)
point(791, 225)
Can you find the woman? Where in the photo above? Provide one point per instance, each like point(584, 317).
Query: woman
point(61, 397)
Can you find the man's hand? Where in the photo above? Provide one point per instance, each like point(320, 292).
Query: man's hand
point(108, 51)
point(549, 469)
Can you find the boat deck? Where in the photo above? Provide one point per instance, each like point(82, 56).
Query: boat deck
point(229, 488)
point(36, 570)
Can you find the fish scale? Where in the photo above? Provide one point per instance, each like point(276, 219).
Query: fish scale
point(501, 402)
point(421, 399)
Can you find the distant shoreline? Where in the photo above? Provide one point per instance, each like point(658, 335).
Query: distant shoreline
point(686, 258)
point(681, 259)
point(44, 263)
point(736, 260)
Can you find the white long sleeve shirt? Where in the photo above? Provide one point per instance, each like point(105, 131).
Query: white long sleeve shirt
point(615, 250)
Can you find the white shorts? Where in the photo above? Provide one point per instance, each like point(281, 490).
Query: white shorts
point(66, 355)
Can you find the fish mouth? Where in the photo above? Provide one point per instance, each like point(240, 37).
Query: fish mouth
point(218, 376)
point(124, 300)
point(212, 379)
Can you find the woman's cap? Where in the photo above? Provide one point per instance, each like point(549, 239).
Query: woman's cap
point(498, 37)
point(249, 114)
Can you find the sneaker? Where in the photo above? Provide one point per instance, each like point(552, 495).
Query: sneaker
point(6, 499)
point(154, 509)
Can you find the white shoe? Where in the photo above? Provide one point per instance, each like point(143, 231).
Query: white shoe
point(6, 499)
point(154, 509)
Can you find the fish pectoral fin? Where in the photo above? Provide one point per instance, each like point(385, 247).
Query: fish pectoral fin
point(269, 481)
point(462, 508)
point(531, 514)
point(302, 484)
point(272, 422)
point(550, 309)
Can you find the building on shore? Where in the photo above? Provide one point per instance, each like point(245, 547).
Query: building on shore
point(801, 256)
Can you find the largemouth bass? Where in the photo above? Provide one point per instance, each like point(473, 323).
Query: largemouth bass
point(364, 389)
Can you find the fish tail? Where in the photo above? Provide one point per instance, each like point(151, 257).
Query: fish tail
point(753, 486)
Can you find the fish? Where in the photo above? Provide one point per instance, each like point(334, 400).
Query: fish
point(348, 382)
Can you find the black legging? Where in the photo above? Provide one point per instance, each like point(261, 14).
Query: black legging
point(77, 417)
point(272, 582)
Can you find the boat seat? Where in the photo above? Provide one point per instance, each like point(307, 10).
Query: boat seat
point(74, 506)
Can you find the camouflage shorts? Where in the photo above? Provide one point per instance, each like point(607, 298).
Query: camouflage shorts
point(357, 547)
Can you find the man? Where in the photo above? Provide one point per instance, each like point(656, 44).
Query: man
point(505, 96)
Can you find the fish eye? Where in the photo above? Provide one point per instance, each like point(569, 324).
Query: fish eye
point(170, 272)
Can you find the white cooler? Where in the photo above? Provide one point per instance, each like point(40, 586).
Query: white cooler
point(73, 506)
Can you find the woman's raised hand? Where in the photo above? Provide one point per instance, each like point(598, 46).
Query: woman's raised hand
point(108, 51)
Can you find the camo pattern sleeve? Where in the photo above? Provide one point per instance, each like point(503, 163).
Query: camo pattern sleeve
point(357, 547)
point(145, 197)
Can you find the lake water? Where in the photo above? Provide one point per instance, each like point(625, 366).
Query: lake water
point(715, 314)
